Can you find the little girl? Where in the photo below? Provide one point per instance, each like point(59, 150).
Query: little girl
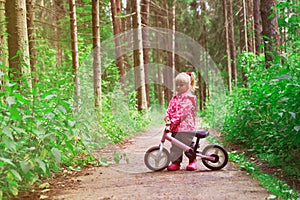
point(181, 115)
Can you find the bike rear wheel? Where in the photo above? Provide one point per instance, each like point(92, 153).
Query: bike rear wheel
point(220, 155)
point(156, 160)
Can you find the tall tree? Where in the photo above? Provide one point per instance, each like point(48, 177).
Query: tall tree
point(59, 11)
point(243, 25)
point(3, 45)
point(227, 45)
point(250, 26)
point(173, 45)
point(75, 59)
point(19, 65)
point(117, 28)
point(270, 30)
point(145, 9)
point(168, 71)
point(30, 6)
point(231, 42)
point(257, 25)
point(96, 54)
point(203, 43)
point(159, 86)
point(138, 57)
point(127, 26)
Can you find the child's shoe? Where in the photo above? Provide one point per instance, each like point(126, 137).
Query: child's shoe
point(192, 166)
point(173, 167)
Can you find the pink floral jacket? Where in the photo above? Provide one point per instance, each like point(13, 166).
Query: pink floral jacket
point(181, 112)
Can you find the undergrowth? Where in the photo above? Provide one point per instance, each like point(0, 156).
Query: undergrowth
point(40, 132)
point(262, 115)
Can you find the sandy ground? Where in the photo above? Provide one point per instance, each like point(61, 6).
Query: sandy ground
point(130, 178)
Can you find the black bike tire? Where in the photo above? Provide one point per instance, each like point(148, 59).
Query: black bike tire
point(207, 162)
point(146, 158)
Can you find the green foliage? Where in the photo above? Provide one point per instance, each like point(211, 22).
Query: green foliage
point(121, 116)
point(289, 19)
point(274, 185)
point(264, 117)
point(36, 134)
point(40, 132)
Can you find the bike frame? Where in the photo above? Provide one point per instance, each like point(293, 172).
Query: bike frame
point(166, 136)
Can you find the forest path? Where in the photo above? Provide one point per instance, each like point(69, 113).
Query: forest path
point(132, 180)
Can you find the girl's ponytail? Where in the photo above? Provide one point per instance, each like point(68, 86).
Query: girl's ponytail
point(193, 80)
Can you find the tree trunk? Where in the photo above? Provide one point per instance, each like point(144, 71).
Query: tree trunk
point(138, 58)
point(96, 55)
point(201, 92)
point(227, 45)
point(270, 30)
point(250, 22)
point(231, 42)
point(30, 5)
point(160, 80)
point(204, 58)
point(168, 72)
point(19, 65)
point(257, 25)
point(75, 59)
point(59, 11)
point(243, 26)
point(127, 26)
point(145, 9)
point(3, 46)
point(117, 27)
point(173, 47)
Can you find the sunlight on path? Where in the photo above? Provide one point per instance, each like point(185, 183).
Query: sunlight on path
point(131, 154)
point(132, 180)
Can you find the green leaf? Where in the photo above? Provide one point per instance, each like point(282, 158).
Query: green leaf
point(8, 161)
point(6, 130)
point(14, 190)
point(117, 157)
point(270, 197)
point(293, 115)
point(39, 132)
point(25, 166)
point(41, 164)
point(11, 100)
point(57, 155)
point(283, 77)
point(62, 109)
point(16, 174)
point(271, 16)
point(44, 185)
point(14, 113)
point(10, 144)
point(71, 123)
point(19, 130)
point(50, 96)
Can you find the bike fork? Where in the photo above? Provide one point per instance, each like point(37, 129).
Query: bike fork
point(161, 147)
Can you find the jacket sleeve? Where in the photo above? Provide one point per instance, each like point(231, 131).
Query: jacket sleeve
point(173, 112)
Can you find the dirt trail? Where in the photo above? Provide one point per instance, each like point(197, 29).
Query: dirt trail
point(132, 180)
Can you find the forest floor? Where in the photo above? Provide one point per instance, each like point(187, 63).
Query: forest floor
point(130, 179)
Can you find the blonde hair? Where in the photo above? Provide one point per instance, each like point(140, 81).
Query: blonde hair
point(188, 78)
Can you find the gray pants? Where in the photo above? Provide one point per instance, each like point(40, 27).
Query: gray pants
point(176, 152)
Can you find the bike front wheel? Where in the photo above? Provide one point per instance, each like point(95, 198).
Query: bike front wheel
point(219, 154)
point(156, 159)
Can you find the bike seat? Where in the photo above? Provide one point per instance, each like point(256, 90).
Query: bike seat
point(199, 133)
